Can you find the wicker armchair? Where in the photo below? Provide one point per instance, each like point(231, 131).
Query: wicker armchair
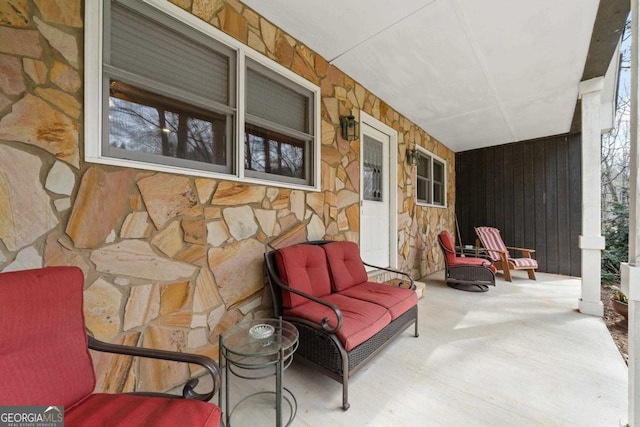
point(465, 273)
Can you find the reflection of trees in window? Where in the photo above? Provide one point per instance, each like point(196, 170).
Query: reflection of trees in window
point(272, 152)
point(144, 122)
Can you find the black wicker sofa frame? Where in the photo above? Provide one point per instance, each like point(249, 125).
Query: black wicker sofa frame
point(319, 344)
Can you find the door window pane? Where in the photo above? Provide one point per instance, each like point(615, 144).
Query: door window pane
point(372, 169)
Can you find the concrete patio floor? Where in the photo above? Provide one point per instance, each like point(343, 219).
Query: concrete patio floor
point(518, 355)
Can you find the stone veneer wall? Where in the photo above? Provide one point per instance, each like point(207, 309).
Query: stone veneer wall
point(172, 261)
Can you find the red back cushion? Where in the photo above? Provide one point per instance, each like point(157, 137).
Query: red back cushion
point(447, 242)
point(490, 238)
point(304, 268)
point(44, 358)
point(345, 265)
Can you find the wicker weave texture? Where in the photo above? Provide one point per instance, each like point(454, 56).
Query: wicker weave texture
point(471, 274)
point(318, 347)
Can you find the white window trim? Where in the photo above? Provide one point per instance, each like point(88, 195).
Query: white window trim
point(444, 162)
point(93, 81)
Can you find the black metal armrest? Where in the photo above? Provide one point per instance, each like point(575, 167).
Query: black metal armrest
point(188, 391)
point(413, 285)
point(274, 278)
point(326, 320)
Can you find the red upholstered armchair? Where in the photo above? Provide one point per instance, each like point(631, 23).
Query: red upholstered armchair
point(45, 361)
point(465, 273)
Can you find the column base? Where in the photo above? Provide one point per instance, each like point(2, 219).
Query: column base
point(591, 308)
point(630, 280)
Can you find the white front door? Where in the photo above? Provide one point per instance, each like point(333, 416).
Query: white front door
point(375, 200)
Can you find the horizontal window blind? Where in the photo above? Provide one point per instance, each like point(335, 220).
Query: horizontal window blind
point(157, 52)
point(270, 100)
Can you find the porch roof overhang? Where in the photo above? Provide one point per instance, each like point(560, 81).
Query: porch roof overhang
point(472, 74)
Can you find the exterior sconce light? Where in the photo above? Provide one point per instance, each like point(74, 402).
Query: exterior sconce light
point(413, 158)
point(349, 127)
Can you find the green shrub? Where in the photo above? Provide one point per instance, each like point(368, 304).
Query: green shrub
point(616, 234)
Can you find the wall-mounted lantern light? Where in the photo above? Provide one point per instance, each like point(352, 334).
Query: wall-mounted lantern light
point(349, 127)
point(413, 157)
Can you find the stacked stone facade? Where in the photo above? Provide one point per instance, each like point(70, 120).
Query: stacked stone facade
point(171, 261)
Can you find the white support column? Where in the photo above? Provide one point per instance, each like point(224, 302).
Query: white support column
point(591, 240)
point(631, 271)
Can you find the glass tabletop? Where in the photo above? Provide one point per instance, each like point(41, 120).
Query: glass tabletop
point(260, 338)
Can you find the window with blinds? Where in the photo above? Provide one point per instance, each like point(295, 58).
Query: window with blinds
point(278, 131)
point(170, 99)
point(430, 180)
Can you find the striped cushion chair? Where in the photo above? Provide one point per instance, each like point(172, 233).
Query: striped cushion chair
point(499, 253)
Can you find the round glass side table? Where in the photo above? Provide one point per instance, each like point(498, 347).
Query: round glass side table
point(258, 349)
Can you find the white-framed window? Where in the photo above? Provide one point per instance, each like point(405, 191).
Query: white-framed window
point(431, 185)
point(166, 91)
point(278, 137)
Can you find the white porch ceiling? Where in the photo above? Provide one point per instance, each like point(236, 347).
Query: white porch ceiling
point(471, 73)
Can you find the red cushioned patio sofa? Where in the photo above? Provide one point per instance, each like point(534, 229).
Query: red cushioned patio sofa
point(343, 319)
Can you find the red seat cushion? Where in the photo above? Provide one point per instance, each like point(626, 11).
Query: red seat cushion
point(361, 319)
point(345, 265)
point(44, 358)
point(127, 410)
point(524, 262)
point(396, 300)
point(473, 261)
point(303, 267)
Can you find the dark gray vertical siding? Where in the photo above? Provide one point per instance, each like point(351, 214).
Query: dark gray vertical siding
point(507, 190)
point(575, 201)
point(529, 190)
